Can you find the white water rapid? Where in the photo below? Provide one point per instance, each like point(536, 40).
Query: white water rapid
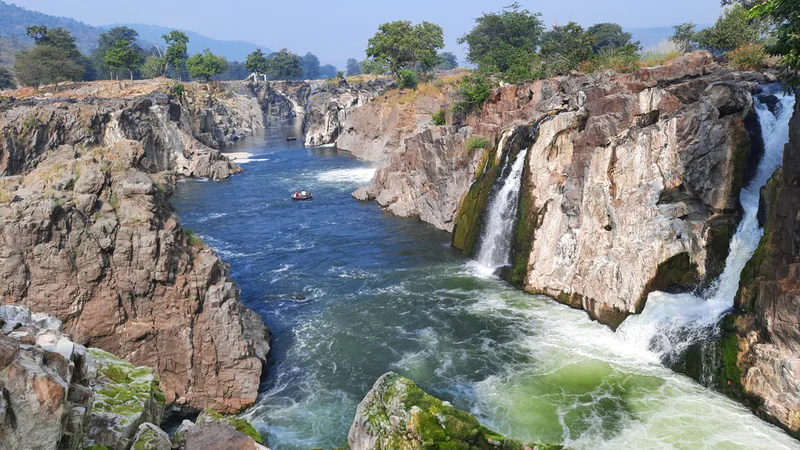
point(671, 323)
point(494, 249)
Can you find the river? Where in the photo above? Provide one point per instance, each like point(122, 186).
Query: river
point(351, 292)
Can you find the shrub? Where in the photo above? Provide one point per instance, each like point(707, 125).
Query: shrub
point(178, 90)
point(194, 240)
point(474, 90)
point(748, 57)
point(408, 79)
point(475, 142)
point(440, 118)
point(619, 61)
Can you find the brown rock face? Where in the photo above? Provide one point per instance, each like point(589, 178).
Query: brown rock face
point(88, 235)
point(767, 315)
point(631, 182)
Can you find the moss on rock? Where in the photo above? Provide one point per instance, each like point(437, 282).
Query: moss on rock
point(398, 415)
point(675, 274)
point(241, 425)
point(469, 219)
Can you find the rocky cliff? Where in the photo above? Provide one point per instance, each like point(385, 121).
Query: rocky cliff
point(630, 184)
point(398, 415)
point(87, 234)
point(761, 352)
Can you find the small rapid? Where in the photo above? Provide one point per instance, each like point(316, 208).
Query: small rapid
point(671, 323)
point(494, 248)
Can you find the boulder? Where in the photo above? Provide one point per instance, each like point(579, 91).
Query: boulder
point(212, 431)
point(397, 414)
point(150, 437)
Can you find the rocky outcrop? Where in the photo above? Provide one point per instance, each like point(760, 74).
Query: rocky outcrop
point(58, 394)
point(630, 185)
point(222, 114)
point(29, 131)
point(212, 431)
point(282, 100)
point(396, 414)
point(761, 353)
point(377, 130)
point(329, 106)
point(87, 234)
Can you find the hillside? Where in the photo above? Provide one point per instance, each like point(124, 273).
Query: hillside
point(15, 19)
point(233, 50)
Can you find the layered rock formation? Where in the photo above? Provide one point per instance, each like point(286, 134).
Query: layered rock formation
point(87, 234)
point(630, 185)
point(398, 415)
point(222, 114)
point(761, 355)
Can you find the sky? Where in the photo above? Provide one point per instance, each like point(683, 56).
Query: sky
point(336, 30)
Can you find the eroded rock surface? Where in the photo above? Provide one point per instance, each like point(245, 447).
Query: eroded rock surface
point(398, 415)
point(87, 234)
point(762, 358)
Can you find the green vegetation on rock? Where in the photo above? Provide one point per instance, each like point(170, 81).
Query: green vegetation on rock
point(469, 219)
point(419, 420)
point(241, 425)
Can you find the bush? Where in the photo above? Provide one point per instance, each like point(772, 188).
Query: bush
point(474, 90)
point(439, 118)
point(194, 240)
point(178, 90)
point(619, 61)
point(748, 57)
point(475, 142)
point(408, 79)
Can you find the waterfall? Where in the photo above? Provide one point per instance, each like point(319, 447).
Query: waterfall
point(494, 249)
point(671, 323)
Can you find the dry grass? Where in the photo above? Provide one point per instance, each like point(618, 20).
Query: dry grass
point(101, 89)
point(666, 51)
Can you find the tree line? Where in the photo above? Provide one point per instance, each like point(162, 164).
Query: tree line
point(55, 57)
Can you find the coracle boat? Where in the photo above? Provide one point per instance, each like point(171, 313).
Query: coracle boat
point(302, 195)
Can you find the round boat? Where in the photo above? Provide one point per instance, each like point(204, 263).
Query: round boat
point(302, 196)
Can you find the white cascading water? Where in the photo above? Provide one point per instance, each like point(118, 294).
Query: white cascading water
point(671, 323)
point(494, 249)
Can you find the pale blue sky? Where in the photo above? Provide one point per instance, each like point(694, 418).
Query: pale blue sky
point(338, 29)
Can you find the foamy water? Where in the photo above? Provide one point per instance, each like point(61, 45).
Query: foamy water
point(359, 175)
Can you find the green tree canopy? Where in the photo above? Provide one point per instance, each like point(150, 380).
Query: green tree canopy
point(177, 48)
point(732, 30)
point(284, 65)
point(684, 35)
point(328, 71)
point(154, 67)
point(55, 37)
point(609, 36)
point(6, 79)
point(123, 55)
point(565, 46)
point(107, 41)
point(353, 67)
point(46, 64)
point(447, 61)
point(206, 65)
point(504, 39)
point(256, 62)
point(310, 67)
point(784, 15)
point(402, 45)
point(373, 66)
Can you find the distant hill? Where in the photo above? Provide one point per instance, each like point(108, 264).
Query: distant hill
point(15, 19)
point(233, 50)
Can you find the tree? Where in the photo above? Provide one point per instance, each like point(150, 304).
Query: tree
point(732, 30)
point(401, 45)
point(206, 65)
point(6, 79)
point(55, 58)
point(373, 66)
point(256, 62)
point(684, 35)
point(45, 64)
point(609, 36)
point(565, 46)
point(107, 41)
point(154, 67)
point(310, 67)
point(328, 71)
point(447, 61)
point(123, 55)
point(785, 34)
point(503, 40)
point(236, 71)
point(353, 67)
point(177, 48)
point(284, 65)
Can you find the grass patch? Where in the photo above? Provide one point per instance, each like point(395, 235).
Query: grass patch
point(439, 118)
point(475, 142)
point(194, 239)
point(748, 57)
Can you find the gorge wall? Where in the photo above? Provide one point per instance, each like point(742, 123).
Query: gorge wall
point(761, 352)
point(631, 181)
point(87, 234)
